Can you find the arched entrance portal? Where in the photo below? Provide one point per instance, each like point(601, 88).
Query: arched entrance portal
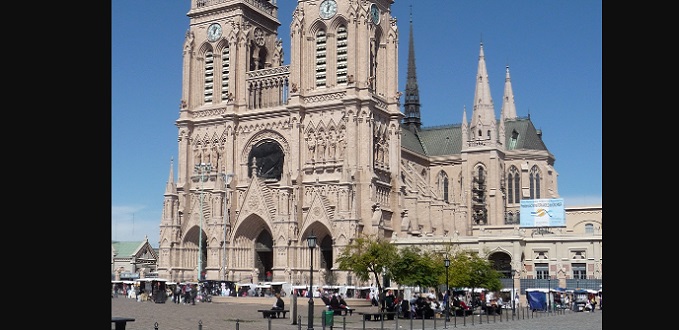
point(251, 250)
point(191, 244)
point(326, 260)
point(501, 262)
point(264, 255)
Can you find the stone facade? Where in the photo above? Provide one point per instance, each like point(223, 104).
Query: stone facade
point(270, 153)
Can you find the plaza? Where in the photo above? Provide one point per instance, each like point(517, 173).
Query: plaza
point(230, 310)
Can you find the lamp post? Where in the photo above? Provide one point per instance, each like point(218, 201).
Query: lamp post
point(513, 292)
point(446, 262)
point(549, 294)
point(227, 179)
point(311, 241)
point(201, 168)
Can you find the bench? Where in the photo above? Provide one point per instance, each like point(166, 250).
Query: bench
point(343, 311)
point(121, 322)
point(377, 316)
point(273, 313)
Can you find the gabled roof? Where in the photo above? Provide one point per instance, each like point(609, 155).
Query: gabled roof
point(447, 139)
point(528, 139)
point(132, 249)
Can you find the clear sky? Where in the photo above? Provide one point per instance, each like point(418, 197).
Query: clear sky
point(553, 50)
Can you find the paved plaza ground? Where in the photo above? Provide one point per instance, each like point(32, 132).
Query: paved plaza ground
point(224, 312)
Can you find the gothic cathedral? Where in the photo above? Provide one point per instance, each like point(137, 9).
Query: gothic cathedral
point(271, 153)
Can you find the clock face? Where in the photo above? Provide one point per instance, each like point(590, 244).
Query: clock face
point(375, 14)
point(328, 9)
point(214, 31)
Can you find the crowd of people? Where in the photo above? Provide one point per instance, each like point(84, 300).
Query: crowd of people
point(430, 304)
point(334, 300)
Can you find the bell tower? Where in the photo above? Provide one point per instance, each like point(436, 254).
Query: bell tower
point(348, 43)
point(344, 82)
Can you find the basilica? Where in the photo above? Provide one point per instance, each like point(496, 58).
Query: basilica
point(327, 146)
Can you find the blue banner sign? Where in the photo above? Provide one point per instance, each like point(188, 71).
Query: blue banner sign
point(542, 213)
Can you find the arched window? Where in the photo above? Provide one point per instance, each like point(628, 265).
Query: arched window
point(320, 58)
point(373, 65)
point(589, 228)
point(225, 73)
point(269, 158)
point(534, 178)
point(209, 77)
point(513, 186)
point(513, 140)
point(442, 185)
point(342, 41)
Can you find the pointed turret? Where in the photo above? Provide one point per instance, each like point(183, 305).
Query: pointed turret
point(170, 186)
point(508, 106)
point(483, 117)
point(412, 101)
point(465, 127)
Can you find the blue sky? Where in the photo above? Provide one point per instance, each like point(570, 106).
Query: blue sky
point(553, 49)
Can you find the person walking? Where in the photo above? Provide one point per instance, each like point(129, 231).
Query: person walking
point(177, 296)
point(593, 303)
point(194, 294)
point(446, 304)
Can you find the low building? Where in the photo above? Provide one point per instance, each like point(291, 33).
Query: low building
point(133, 260)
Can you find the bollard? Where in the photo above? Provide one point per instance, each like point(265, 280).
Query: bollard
point(200, 324)
point(299, 322)
point(268, 321)
point(237, 324)
point(293, 297)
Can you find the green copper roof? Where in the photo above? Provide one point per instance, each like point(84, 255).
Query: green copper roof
point(447, 139)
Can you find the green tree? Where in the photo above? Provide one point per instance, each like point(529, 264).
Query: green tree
point(369, 255)
point(417, 267)
point(468, 269)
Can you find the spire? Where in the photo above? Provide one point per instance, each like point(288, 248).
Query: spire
point(508, 106)
point(465, 128)
point(170, 187)
point(412, 101)
point(483, 117)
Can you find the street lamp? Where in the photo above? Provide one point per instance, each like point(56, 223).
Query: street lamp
point(311, 241)
point(201, 168)
point(227, 179)
point(511, 270)
point(549, 294)
point(446, 262)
